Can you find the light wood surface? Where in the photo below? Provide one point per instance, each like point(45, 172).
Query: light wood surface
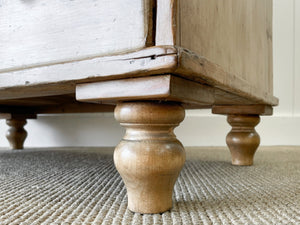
point(243, 140)
point(43, 32)
point(224, 44)
point(198, 68)
point(207, 53)
point(16, 134)
point(234, 34)
point(243, 109)
point(149, 157)
point(227, 44)
point(59, 79)
point(163, 87)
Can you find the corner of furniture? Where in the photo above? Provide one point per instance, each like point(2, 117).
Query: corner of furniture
point(147, 67)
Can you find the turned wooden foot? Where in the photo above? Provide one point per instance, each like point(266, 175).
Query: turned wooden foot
point(149, 158)
point(16, 134)
point(243, 140)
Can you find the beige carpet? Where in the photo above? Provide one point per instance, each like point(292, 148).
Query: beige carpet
point(81, 186)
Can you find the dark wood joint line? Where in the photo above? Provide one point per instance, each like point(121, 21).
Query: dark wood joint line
point(17, 116)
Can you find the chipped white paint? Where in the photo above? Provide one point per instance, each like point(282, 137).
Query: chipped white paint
point(34, 32)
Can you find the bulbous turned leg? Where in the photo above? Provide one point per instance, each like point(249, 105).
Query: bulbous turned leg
point(243, 140)
point(149, 158)
point(16, 134)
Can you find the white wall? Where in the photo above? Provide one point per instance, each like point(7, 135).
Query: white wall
point(200, 128)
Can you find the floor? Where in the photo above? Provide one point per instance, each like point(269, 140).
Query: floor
point(81, 186)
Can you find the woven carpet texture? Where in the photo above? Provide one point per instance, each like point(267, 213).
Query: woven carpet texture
point(81, 186)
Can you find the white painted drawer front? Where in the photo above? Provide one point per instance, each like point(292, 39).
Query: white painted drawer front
point(34, 32)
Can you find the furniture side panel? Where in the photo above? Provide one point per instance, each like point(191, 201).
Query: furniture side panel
point(41, 32)
point(234, 34)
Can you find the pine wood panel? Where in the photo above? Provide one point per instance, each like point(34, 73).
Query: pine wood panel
point(234, 34)
point(161, 88)
point(243, 109)
point(59, 79)
point(200, 69)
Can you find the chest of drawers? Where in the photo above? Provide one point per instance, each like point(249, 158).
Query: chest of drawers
point(151, 58)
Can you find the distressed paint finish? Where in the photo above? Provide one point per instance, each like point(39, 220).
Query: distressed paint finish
point(41, 32)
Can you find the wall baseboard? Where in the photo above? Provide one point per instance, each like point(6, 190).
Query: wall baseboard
point(102, 130)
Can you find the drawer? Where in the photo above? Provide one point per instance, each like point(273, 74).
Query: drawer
point(35, 32)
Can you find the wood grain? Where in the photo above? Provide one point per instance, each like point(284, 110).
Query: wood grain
point(211, 43)
point(243, 140)
point(61, 79)
point(149, 157)
point(42, 32)
point(234, 34)
point(16, 133)
point(125, 89)
point(163, 87)
point(243, 109)
point(200, 69)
